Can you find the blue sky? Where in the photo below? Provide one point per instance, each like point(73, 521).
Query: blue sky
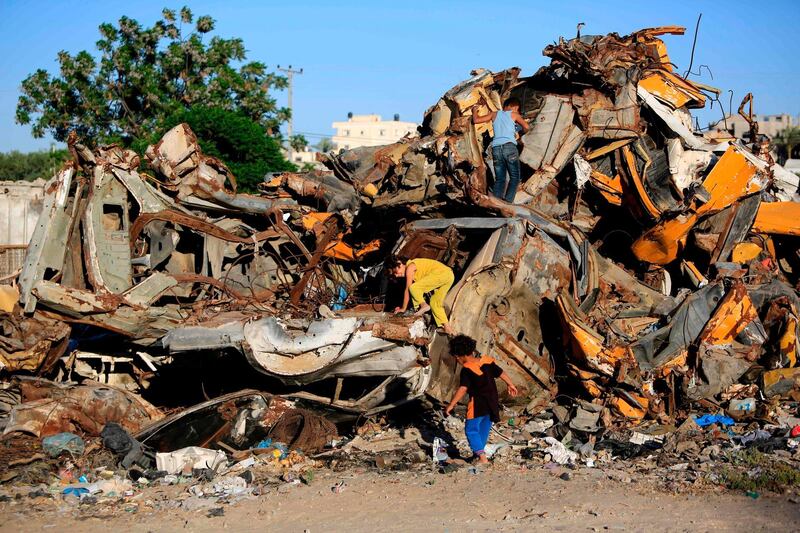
point(399, 57)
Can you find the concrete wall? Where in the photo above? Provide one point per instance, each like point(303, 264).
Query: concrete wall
point(20, 206)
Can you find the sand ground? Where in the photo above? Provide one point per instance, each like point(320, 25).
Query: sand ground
point(495, 499)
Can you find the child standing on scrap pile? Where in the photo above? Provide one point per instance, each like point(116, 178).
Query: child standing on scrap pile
point(477, 379)
point(504, 146)
point(423, 276)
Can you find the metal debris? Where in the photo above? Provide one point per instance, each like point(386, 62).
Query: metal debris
point(645, 264)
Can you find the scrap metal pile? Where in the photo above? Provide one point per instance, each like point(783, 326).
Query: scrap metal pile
point(643, 265)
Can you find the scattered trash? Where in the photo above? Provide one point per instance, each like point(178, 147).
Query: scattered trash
point(75, 491)
point(537, 426)
point(55, 445)
point(744, 406)
point(230, 486)
point(492, 449)
point(439, 451)
point(707, 420)
point(188, 459)
point(642, 438)
point(586, 417)
point(128, 449)
point(753, 436)
point(559, 453)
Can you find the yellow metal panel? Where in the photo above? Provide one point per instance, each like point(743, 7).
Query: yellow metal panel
point(632, 412)
point(732, 315)
point(610, 188)
point(782, 218)
point(772, 377)
point(673, 89)
point(661, 50)
point(787, 344)
point(345, 252)
point(730, 179)
point(587, 345)
point(662, 243)
point(745, 251)
point(312, 219)
point(694, 273)
point(636, 181)
point(607, 149)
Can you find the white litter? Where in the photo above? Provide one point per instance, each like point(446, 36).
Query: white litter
point(559, 453)
point(191, 458)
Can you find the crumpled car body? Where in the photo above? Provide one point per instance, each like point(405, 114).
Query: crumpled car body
point(121, 262)
point(496, 299)
point(644, 263)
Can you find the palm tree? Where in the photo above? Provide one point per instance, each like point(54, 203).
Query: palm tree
point(325, 145)
point(787, 142)
point(298, 143)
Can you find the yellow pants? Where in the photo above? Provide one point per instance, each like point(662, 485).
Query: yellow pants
point(439, 283)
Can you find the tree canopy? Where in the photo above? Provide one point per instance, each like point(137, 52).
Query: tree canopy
point(144, 75)
point(239, 141)
point(298, 143)
point(787, 142)
point(325, 144)
point(16, 166)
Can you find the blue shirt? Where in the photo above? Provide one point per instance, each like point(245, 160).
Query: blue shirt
point(504, 130)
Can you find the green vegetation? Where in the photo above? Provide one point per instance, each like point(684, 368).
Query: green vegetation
point(298, 143)
point(325, 145)
point(144, 80)
point(233, 137)
point(143, 76)
point(787, 142)
point(15, 166)
point(753, 472)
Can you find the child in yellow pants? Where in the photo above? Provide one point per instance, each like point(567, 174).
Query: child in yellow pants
point(424, 276)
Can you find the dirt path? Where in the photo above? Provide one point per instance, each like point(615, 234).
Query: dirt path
point(517, 500)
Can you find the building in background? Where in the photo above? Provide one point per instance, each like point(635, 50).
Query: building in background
point(769, 125)
point(370, 130)
point(305, 158)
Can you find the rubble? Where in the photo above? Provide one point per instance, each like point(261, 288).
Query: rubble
point(47, 408)
point(640, 291)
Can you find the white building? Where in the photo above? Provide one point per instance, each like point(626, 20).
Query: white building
point(370, 130)
point(306, 157)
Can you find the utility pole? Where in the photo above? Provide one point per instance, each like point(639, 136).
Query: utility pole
point(289, 127)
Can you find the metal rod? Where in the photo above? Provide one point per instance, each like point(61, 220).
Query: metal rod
point(694, 44)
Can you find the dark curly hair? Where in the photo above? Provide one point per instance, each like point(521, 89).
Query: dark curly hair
point(462, 345)
point(392, 262)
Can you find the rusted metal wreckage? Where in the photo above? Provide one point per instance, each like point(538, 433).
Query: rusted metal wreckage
point(642, 263)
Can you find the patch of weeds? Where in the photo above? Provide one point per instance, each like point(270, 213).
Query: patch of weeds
point(757, 472)
point(750, 458)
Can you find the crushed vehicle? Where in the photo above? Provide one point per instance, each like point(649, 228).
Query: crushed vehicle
point(642, 265)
